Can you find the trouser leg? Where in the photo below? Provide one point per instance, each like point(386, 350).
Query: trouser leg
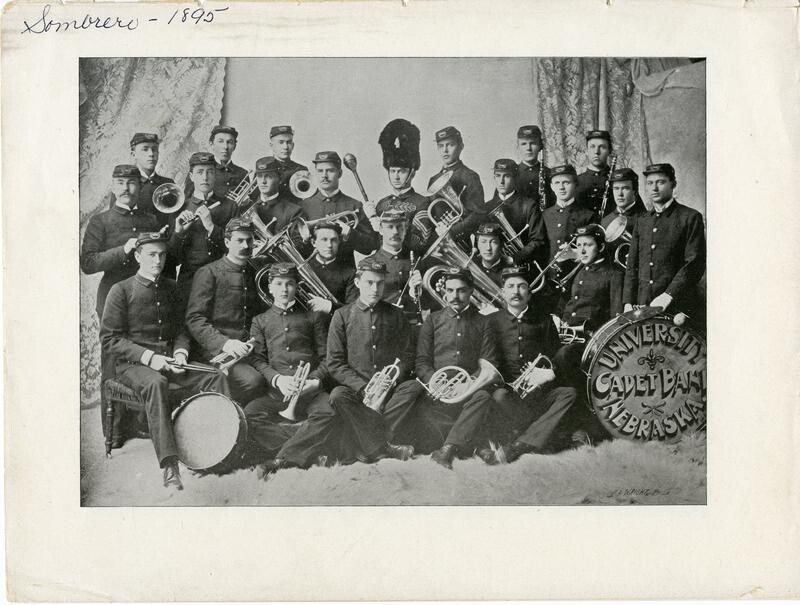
point(548, 410)
point(153, 388)
point(246, 383)
point(401, 411)
point(567, 365)
point(469, 421)
point(312, 436)
point(508, 417)
point(363, 427)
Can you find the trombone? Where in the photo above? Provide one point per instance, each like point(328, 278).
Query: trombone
point(567, 253)
point(241, 193)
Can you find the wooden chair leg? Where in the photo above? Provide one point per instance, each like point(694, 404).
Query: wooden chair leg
point(109, 424)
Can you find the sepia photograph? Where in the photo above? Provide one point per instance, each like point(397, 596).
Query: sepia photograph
point(480, 281)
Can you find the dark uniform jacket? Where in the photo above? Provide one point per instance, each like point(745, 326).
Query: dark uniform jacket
point(495, 271)
point(631, 214)
point(591, 185)
point(528, 183)
point(560, 224)
point(103, 243)
point(147, 185)
point(222, 305)
point(362, 239)
point(398, 270)
point(142, 315)
point(410, 202)
point(520, 212)
point(227, 178)
point(668, 254)
point(466, 183)
point(338, 277)
point(520, 340)
point(448, 338)
point(363, 340)
point(285, 337)
point(282, 208)
point(195, 247)
point(596, 294)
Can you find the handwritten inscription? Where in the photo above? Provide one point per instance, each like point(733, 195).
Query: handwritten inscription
point(45, 24)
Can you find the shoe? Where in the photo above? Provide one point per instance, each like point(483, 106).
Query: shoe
point(487, 455)
point(580, 438)
point(512, 452)
point(117, 442)
point(399, 452)
point(172, 476)
point(273, 466)
point(445, 454)
point(141, 434)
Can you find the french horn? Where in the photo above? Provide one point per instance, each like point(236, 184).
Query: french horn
point(452, 384)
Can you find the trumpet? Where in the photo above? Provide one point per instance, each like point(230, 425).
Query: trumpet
point(380, 384)
point(168, 198)
point(568, 334)
point(533, 376)
point(241, 193)
point(225, 360)
point(617, 232)
point(452, 384)
point(300, 184)
point(346, 217)
point(298, 382)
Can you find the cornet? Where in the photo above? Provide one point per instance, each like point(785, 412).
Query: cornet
point(300, 184)
point(452, 384)
point(298, 383)
point(346, 217)
point(534, 374)
point(380, 384)
point(225, 360)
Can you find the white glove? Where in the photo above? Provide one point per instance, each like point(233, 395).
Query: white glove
point(320, 305)
point(662, 300)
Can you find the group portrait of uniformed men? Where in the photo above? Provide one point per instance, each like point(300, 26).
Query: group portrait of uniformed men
point(385, 295)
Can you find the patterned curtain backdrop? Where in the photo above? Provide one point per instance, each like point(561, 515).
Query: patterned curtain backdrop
point(178, 98)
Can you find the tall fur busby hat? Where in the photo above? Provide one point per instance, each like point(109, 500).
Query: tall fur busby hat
point(399, 141)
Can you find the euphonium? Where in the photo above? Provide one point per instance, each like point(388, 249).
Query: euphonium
point(300, 184)
point(533, 376)
point(304, 227)
point(442, 192)
point(513, 244)
point(380, 384)
point(241, 193)
point(298, 382)
point(225, 360)
point(452, 384)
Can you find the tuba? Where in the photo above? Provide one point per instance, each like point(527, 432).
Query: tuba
point(300, 184)
point(452, 384)
point(380, 384)
point(617, 232)
point(304, 227)
point(534, 374)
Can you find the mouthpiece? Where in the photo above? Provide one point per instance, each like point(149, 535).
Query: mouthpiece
point(350, 161)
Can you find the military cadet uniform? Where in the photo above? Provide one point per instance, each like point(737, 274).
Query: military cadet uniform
point(105, 237)
point(221, 307)
point(142, 319)
point(668, 254)
point(525, 424)
point(279, 205)
point(561, 221)
point(528, 179)
point(285, 168)
point(592, 183)
point(361, 239)
point(520, 212)
point(494, 271)
point(448, 337)
point(629, 214)
point(409, 202)
point(194, 246)
point(337, 276)
point(227, 177)
point(467, 185)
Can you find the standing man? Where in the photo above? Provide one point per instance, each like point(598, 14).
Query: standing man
point(668, 251)
point(457, 335)
point(200, 241)
point(337, 276)
point(272, 201)
point(628, 206)
point(221, 307)
point(592, 181)
point(281, 141)
point(464, 181)
point(222, 141)
point(143, 328)
point(489, 257)
point(522, 333)
point(529, 144)
point(562, 219)
point(521, 213)
point(330, 200)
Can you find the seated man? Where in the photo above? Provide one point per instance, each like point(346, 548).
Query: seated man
point(221, 307)
point(457, 335)
point(522, 333)
point(142, 326)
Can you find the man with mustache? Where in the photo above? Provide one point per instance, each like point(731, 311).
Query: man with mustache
point(143, 327)
point(222, 142)
point(330, 200)
point(529, 144)
point(222, 304)
point(592, 181)
point(667, 257)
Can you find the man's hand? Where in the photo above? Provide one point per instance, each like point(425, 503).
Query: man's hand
point(487, 309)
point(159, 363)
point(285, 385)
point(180, 359)
point(628, 307)
point(370, 209)
point(183, 221)
point(345, 230)
point(235, 347)
point(320, 305)
point(415, 281)
point(129, 245)
point(441, 229)
point(312, 384)
point(205, 216)
point(662, 300)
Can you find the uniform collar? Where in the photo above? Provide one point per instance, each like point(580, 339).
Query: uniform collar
point(454, 166)
point(271, 199)
point(403, 192)
point(453, 313)
point(228, 166)
point(518, 315)
point(278, 309)
point(594, 265)
point(625, 211)
point(326, 196)
point(493, 265)
point(124, 210)
point(667, 207)
point(390, 253)
point(591, 168)
point(532, 166)
point(146, 282)
point(566, 204)
point(232, 266)
point(323, 263)
point(200, 200)
point(362, 306)
point(146, 177)
point(506, 197)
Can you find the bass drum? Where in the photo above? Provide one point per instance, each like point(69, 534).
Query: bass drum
point(210, 432)
point(646, 376)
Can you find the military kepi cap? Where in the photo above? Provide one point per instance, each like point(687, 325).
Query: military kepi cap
point(328, 156)
point(592, 230)
point(238, 224)
point(276, 130)
point(598, 134)
point(224, 130)
point(506, 165)
point(530, 132)
point(563, 169)
point(393, 216)
point(267, 164)
point(624, 174)
point(283, 270)
point(126, 171)
point(448, 132)
point(327, 225)
point(457, 273)
point(368, 264)
point(660, 168)
point(152, 237)
point(144, 137)
point(490, 229)
point(514, 271)
point(201, 158)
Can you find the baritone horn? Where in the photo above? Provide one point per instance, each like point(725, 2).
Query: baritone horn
point(452, 384)
point(617, 233)
point(304, 228)
point(300, 184)
point(380, 384)
point(441, 192)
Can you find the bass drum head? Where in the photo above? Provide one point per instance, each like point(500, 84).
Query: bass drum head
point(209, 430)
point(647, 378)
